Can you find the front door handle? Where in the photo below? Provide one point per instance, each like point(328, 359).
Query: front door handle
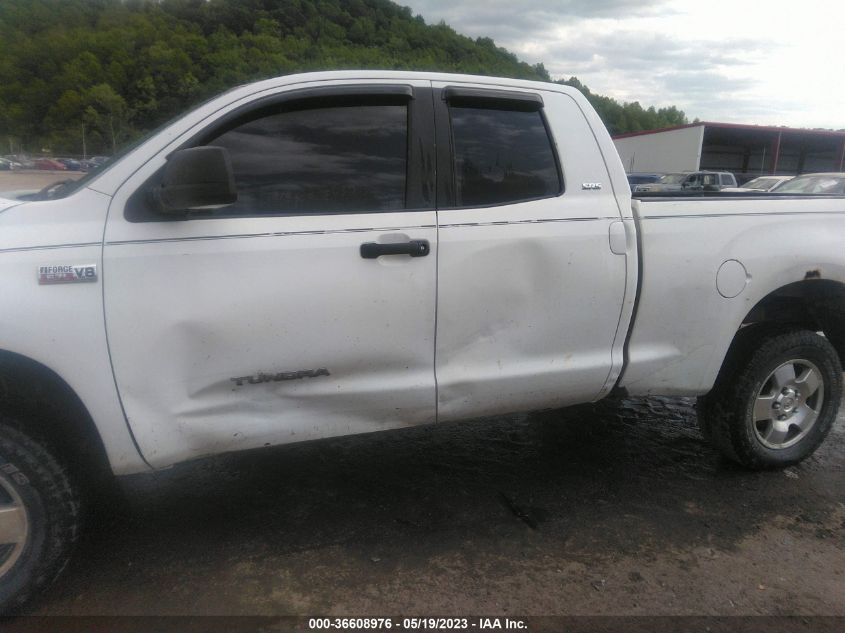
point(414, 248)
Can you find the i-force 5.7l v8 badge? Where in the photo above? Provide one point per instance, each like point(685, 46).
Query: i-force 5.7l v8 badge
point(70, 274)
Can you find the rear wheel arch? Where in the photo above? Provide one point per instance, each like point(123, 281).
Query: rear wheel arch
point(810, 305)
point(729, 417)
point(813, 304)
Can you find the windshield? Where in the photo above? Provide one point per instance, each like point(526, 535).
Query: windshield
point(763, 183)
point(814, 184)
point(672, 179)
point(63, 188)
point(638, 180)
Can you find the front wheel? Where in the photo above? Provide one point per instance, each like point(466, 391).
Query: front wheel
point(39, 517)
point(775, 399)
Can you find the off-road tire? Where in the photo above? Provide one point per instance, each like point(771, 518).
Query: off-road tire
point(41, 484)
point(726, 413)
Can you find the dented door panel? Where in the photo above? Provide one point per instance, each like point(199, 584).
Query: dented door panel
point(527, 311)
point(270, 324)
point(530, 294)
point(250, 341)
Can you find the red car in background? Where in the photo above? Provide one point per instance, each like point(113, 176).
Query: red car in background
point(49, 163)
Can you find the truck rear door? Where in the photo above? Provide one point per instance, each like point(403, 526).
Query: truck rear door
point(529, 292)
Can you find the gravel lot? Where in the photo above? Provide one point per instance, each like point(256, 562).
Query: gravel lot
point(614, 509)
point(34, 178)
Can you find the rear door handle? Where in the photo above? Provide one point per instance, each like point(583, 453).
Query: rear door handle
point(414, 248)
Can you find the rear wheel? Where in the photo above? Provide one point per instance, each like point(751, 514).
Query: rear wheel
point(39, 517)
point(775, 399)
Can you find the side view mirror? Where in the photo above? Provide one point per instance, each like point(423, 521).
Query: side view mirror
point(195, 178)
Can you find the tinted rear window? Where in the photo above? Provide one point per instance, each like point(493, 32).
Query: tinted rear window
point(502, 156)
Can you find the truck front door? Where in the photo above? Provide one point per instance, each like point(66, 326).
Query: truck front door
point(265, 321)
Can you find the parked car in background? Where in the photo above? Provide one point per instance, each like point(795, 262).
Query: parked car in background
point(23, 161)
point(761, 183)
point(49, 164)
point(7, 164)
point(635, 179)
point(691, 181)
point(832, 183)
point(71, 163)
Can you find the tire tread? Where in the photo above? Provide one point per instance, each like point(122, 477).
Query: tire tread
point(61, 503)
point(722, 411)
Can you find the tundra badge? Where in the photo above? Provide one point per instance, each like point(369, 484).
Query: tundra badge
point(278, 376)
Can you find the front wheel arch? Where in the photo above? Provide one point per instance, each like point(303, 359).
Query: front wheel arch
point(42, 405)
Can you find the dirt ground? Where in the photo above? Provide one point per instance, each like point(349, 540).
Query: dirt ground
point(607, 510)
point(33, 178)
point(619, 509)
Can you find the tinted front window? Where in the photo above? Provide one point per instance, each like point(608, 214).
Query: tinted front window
point(502, 156)
point(341, 159)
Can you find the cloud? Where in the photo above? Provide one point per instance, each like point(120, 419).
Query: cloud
point(593, 48)
point(696, 84)
point(511, 21)
point(620, 48)
point(503, 12)
point(702, 77)
point(720, 60)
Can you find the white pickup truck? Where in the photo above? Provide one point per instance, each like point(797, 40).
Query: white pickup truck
point(346, 252)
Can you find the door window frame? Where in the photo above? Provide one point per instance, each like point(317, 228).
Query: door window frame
point(489, 98)
point(420, 185)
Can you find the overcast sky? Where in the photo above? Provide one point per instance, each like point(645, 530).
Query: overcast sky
point(769, 63)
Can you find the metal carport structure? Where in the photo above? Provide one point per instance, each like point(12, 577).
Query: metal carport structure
point(745, 150)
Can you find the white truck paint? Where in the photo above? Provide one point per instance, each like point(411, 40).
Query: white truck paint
point(535, 304)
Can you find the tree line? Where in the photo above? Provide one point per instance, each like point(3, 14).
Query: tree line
point(628, 117)
point(103, 72)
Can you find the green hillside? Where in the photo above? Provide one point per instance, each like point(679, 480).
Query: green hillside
point(629, 117)
point(118, 68)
